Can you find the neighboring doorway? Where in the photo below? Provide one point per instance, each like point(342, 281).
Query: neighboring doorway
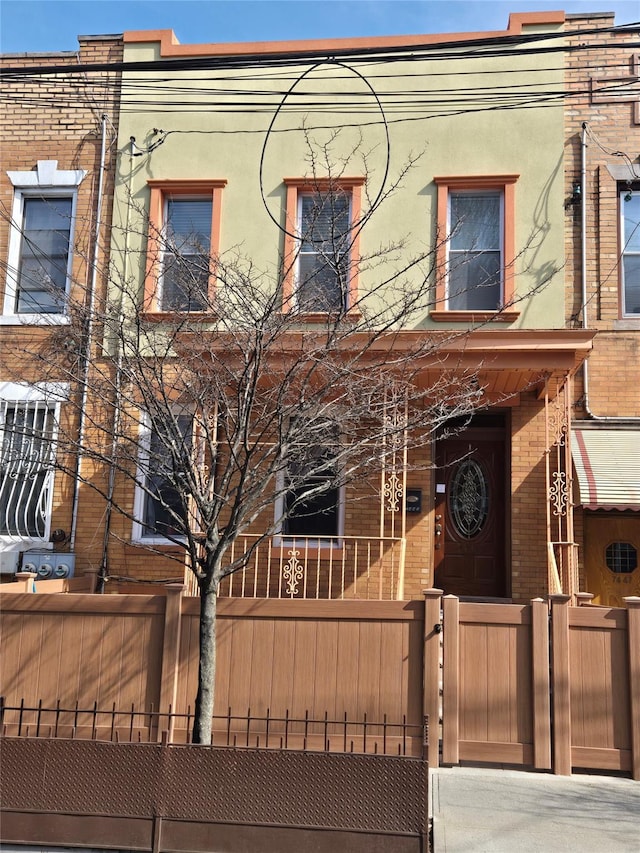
point(612, 556)
point(470, 510)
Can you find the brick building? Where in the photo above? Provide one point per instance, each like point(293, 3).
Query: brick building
point(57, 133)
point(602, 168)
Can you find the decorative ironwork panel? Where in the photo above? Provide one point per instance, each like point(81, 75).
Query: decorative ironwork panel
point(393, 492)
point(558, 495)
point(292, 572)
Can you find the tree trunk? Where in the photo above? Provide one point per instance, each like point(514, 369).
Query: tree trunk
point(207, 663)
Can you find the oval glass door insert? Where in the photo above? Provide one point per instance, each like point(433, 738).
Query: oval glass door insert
point(469, 498)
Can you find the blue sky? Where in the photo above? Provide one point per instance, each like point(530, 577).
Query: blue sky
point(52, 25)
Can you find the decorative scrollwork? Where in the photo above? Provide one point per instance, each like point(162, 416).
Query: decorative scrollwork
point(558, 493)
point(292, 572)
point(558, 421)
point(393, 492)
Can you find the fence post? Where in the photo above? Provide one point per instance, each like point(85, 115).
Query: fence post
point(170, 656)
point(431, 671)
point(28, 579)
point(633, 627)
point(584, 598)
point(450, 677)
point(561, 690)
point(541, 686)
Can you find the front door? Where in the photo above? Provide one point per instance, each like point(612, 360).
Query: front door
point(469, 540)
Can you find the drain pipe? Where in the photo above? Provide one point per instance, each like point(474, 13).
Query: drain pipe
point(603, 419)
point(89, 336)
point(103, 572)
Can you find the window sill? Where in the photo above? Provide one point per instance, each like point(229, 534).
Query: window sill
point(507, 316)
point(323, 316)
point(34, 320)
point(326, 550)
point(178, 316)
point(627, 324)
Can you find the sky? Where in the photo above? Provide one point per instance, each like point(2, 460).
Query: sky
point(53, 25)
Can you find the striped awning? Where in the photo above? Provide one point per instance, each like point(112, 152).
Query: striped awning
point(607, 463)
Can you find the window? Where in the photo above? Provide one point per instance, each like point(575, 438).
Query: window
point(475, 249)
point(27, 446)
point(622, 558)
point(184, 233)
point(41, 242)
point(159, 502)
point(630, 228)
point(321, 247)
point(312, 499)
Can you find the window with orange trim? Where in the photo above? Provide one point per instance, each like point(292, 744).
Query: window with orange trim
point(184, 235)
point(476, 248)
point(322, 245)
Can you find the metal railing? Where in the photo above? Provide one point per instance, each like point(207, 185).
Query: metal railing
point(303, 568)
point(243, 731)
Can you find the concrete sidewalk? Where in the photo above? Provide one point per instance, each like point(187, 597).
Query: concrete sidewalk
point(476, 810)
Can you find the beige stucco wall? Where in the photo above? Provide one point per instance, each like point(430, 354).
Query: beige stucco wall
point(223, 143)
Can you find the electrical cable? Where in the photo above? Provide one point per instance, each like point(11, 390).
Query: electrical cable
point(353, 226)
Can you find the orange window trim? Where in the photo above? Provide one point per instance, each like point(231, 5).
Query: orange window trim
point(504, 183)
point(159, 191)
point(295, 186)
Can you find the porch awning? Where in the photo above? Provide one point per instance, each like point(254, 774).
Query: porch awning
point(607, 462)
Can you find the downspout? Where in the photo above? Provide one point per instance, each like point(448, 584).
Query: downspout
point(89, 336)
point(603, 419)
point(103, 572)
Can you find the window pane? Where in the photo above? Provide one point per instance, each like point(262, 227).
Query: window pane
point(322, 282)
point(631, 271)
point(311, 467)
point(324, 221)
point(475, 221)
point(44, 255)
point(316, 517)
point(26, 469)
point(189, 224)
point(323, 264)
point(474, 281)
point(185, 283)
point(165, 501)
point(186, 262)
point(631, 215)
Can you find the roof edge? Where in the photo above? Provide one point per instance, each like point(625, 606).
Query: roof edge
point(171, 47)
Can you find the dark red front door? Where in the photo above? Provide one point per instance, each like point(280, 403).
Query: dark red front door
point(470, 514)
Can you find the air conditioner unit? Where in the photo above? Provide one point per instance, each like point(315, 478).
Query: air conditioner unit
point(9, 561)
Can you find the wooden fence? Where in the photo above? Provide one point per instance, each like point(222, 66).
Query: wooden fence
point(551, 686)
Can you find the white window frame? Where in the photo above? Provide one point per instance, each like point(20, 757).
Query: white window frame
point(47, 181)
point(471, 191)
point(51, 396)
point(302, 194)
point(139, 530)
point(631, 315)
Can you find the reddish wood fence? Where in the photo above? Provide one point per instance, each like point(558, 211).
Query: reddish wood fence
point(508, 671)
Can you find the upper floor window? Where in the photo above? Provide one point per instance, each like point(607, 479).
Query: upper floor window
point(475, 248)
point(184, 233)
point(322, 245)
point(40, 256)
point(630, 229)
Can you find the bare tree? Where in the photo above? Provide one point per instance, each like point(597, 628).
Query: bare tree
point(239, 411)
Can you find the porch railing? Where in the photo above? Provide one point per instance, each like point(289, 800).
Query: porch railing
point(299, 567)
